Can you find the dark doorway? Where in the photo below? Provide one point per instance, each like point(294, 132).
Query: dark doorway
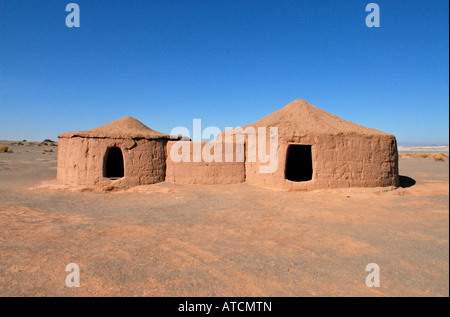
point(299, 163)
point(114, 163)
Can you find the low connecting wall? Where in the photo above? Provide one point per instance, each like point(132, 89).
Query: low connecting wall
point(186, 165)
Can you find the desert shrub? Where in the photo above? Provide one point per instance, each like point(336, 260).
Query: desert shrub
point(48, 141)
point(16, 143)
point(408, 154)
point(440, 157)
point(421, 155)
point(48, 150)
point(5, 149)
point(433, 156)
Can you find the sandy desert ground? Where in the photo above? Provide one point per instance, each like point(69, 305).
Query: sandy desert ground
point(234, 240)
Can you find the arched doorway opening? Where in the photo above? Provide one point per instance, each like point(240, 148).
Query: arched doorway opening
point(114, 167)
point(299, 167)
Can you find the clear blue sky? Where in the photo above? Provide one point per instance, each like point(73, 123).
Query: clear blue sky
point(227, 62)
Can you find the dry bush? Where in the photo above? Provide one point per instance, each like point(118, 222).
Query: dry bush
point(16, 143)
point(54, 144)
point(48, 150)
point(5, 149)
point(440, 157)
point(434, 156)
point(412, 155)
point(421, 155)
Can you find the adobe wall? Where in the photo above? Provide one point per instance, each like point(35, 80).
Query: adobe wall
point(204, 172)
point(339, 161)
point(80, 161)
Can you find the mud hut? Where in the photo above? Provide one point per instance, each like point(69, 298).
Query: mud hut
point(121, 154)
point(319, 150)
point(314, 149)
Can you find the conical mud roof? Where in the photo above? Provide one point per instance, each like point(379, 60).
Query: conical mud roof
point(300, 117)
point(124, 128)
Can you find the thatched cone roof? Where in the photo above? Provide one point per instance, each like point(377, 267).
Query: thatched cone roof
point(124, 128)
point(301, 118)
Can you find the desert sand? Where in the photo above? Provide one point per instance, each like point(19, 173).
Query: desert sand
point(220, 240)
